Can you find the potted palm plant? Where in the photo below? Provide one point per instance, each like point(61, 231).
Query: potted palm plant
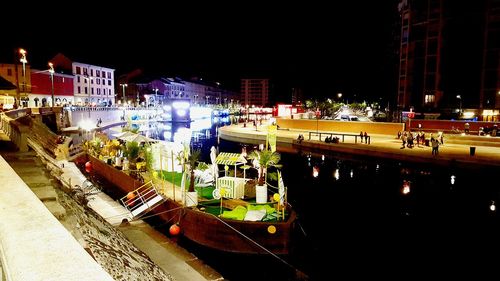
point(262, 160)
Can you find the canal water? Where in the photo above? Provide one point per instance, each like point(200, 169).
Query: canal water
point(363, 217)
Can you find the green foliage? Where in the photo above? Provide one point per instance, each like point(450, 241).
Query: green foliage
point(94, 147)
point(202, 166)
point(132, 150)
point(192, 160)
point(265, 158)
point(148, 156)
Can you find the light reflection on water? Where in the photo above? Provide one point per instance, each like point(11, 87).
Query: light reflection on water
point(353, 210)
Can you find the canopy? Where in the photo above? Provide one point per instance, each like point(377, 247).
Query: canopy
point(226, 158)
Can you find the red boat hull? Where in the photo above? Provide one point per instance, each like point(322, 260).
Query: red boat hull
point(207, 229)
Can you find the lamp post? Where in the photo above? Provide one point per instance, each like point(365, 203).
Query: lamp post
point(88, 91)
point(156, 96)
point(459, 97)
point(51, 71)
point(24, 61)
point(206, 98)
point(123, 93)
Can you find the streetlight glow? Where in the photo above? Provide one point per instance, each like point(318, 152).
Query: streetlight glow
point(123, 92)
point(51, 71)
point(24, 61)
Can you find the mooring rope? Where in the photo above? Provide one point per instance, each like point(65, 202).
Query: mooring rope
point(255, 242)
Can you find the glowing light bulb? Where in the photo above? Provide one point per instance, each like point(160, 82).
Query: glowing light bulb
point(336, 174)
point(453, 179)
point(492, 206)
point(406, 187)
point(315, 171)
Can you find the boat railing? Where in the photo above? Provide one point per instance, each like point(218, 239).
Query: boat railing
point(144, 198)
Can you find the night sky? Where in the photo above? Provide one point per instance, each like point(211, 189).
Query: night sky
point(325, 48)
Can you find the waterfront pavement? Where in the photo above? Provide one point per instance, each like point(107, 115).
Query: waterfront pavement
point(456, 148)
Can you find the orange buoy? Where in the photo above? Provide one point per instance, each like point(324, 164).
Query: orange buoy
point(130, 199)
point(88, 167)
point(174, 229)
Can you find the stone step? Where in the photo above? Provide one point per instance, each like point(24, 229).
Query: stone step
point(45, 193)
point(56, 209)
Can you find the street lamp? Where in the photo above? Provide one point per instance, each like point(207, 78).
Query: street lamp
point(24, 61)
point(88, 91)
point(156, 96)
point(459, 97)
point(206, 102)
point(123, 93)
point(51, 71)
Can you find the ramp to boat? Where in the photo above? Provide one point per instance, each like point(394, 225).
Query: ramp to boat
point(142, 200)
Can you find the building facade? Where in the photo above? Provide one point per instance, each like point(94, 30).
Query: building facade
point(42, 87)
point(152, 91)
point(92, 85)
point(21, 79)
point(255, 92)
point(449, 56)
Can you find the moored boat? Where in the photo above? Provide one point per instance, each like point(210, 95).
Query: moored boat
point(207, 228)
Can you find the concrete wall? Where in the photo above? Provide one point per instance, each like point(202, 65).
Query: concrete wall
point(33, 243)
point(108, 115)
point(448, 125)
point(341, 126)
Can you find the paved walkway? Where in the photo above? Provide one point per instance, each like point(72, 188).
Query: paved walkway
point(456, 148)
point(174, 260)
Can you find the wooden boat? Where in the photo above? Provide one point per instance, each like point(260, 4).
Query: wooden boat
point(248, 237)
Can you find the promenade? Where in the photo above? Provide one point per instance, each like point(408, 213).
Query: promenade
point(148, 256)
point(456, 148)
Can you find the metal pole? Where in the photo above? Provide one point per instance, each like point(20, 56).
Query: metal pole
point(88, 105)
point(51, 70)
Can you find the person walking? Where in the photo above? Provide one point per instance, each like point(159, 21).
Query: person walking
point(435, 147)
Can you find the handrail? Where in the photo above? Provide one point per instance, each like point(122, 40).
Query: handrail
point(341, 134)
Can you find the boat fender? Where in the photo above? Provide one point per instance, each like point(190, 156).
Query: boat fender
point(174, 229)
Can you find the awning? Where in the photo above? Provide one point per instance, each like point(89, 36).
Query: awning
point(226, 158)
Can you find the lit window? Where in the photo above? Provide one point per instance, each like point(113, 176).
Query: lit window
point(429, 98)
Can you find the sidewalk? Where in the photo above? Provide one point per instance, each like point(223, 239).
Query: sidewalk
point(175, 261)
point(387, 146)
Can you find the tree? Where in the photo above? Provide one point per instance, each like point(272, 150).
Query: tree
point(265, 159)
point(193, 159)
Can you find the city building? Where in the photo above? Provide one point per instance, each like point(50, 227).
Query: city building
point(448, 57)
point(138, 86)
point(21, 79)
point(255, 92)
point(42, 87)
point(92, 84)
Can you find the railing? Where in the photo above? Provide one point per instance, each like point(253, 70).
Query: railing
point(367, 138)
point(142, 199)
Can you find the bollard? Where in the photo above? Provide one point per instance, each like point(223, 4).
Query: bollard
point(472, 150)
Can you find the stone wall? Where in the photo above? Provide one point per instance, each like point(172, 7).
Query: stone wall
point(341, 126)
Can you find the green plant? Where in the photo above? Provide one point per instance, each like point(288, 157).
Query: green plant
point(192, 160)
point(265, 158)
point(148, 156)
point(132, 150)
point(202, 166)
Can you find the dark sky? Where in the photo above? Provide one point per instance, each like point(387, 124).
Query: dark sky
point(323, 47)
